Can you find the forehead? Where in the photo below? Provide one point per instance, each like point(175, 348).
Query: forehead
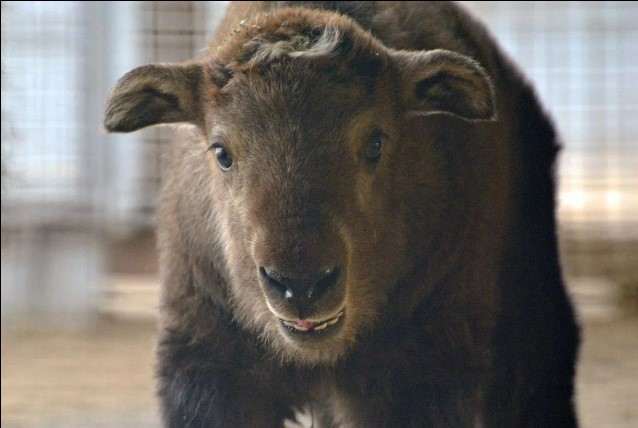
point(287, 96)
point(299, 66)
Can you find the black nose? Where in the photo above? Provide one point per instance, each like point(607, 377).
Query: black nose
point(302, 290)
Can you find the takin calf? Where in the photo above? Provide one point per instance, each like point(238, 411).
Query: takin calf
point(361, 227)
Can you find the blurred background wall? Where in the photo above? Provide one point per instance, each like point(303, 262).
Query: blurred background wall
point(78, 205)
point(70, 192)
point(76, 202)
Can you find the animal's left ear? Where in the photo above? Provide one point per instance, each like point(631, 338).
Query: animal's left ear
point(440, 81)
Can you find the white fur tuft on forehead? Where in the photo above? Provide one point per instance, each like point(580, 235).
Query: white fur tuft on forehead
point(297, 46)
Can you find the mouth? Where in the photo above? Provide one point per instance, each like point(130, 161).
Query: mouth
point(306, 327)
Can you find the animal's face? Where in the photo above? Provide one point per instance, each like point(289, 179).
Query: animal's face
point(302, 164)
point(302, 133)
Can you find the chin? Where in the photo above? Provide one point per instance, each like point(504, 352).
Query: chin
point(322, 344)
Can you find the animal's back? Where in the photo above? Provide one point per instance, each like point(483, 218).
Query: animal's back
point(536, 338)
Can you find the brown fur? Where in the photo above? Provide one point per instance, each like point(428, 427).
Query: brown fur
point(454, 313)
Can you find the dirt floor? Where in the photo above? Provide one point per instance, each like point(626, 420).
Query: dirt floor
point(102, 377)
point(607, 383)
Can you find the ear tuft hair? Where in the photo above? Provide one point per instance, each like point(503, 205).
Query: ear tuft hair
point(441, 81)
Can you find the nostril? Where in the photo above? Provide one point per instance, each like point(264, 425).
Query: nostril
point(273, 280)
point(331, 278)
point(302, 289)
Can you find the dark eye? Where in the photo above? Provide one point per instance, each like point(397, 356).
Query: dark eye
point(224, 158)
point(373, 149)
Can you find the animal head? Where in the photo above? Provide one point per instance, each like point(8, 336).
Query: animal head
point(303, 122)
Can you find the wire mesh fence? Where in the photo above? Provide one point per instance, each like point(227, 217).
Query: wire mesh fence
point(583, 61)
point(65, 184)
point(59, 60)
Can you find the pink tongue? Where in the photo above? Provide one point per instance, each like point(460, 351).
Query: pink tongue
point(305, 324)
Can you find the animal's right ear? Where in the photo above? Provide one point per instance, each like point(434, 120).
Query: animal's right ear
point(154, 94)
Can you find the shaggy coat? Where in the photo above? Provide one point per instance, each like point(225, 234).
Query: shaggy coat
point(360, 227)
